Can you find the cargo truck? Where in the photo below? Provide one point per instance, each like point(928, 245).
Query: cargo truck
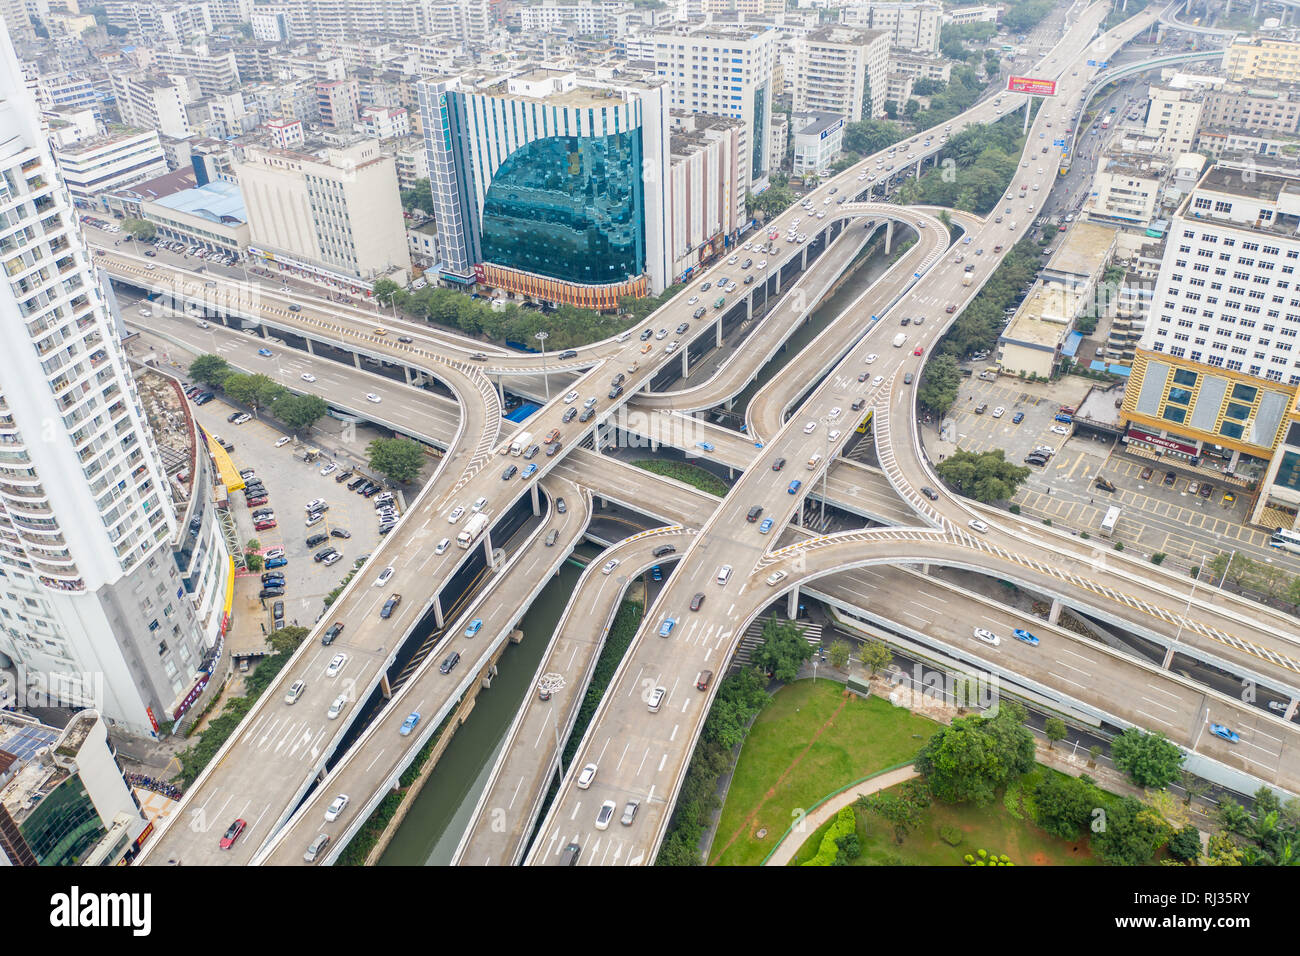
point(520, 442)
point(474, 528)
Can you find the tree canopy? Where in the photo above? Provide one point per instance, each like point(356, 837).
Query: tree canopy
point(939, 382)
point(140, 228)
point(783, 650)
point(299, 411)
point(419, 196)
point(985, 476)
point(970, 759)
point(399, 458)
point(1151, 760)
point(257, 391)
point(210, 369)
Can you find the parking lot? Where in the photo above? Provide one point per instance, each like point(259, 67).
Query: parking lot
point(290, 484)
point(1155, 517)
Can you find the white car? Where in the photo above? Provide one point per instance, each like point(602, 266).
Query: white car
point(609, 566)
point(455, 514)
point(775, 578)
point(385, 576)
point(308, 377)
point(479, 504)
point(1060, 430)
point(834, 412)
point(570, 398)
point(999, 412)
point(810, 428)
point(329, 469)
point(336, 665)
point(372, 397)
point(987, 636)
point(245, 417)
point(692, 300)
point(281, 442)
point(336, 807)
point(442, 547)
point(587, 775)
point(877, 381)
point(871, 357)
point(604, 815)
point(833, 434)
point(733, 260)
point(978, 525)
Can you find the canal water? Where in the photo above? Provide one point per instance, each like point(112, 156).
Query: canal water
point(434, 824)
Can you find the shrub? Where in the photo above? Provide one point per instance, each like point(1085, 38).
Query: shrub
point(1047, 521)
point(1119, 545)
point(1157, 557)
point(951, 835)
point(829, 849)
point(1084, 535)
point(1014, 509)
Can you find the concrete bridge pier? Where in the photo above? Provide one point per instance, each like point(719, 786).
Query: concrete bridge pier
point(437, 611)
point(749, 306)
point(1169, 657)
point(792, 603)
point(686, 364)
point(1294, 701)
point(537, 501)
point(487, 549)
point(356, 359)
point(717, 339)
point(1054, 614)
point(889, 237)
point(406, 370)
point(803, 258)
point(385, 687)
point(310, 350)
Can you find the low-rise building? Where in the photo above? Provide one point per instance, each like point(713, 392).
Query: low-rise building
point(1126, 190)
point(95, 166)
point(818, 142)
point(210, 217)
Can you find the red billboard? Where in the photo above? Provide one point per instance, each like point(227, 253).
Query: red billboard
point(1027, 84)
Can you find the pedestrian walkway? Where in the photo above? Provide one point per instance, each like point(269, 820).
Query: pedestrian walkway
point(789, 846)
point(812, 633)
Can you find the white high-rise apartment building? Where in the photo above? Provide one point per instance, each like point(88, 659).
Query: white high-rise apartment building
point(1228, 294)
point(843, 71)
point(725, 71)
point(911, 26)
point(151, 103)
point(92, 605)
point(1174, 117)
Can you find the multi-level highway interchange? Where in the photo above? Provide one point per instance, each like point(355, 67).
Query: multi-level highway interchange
point(283, 765)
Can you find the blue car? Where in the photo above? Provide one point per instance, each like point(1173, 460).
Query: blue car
point(265, 353)
point(656, 573)
point(276, 563)
point(765, 526)
point(1221, 731)
point(667, 626)
point(1017, 418)
point(704, 445)
point(409, 723)
point(474, 627)
point(1022, 634)
point(529, 470)
point(795, 486)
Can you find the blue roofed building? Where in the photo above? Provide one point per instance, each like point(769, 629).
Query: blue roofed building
point(210, 216)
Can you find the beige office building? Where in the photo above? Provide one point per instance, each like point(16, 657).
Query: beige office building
point(1263, 58)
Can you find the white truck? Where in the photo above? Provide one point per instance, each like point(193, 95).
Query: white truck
point(1108, 522)
point(966, 279)
point(520, 443)
point(899, 339)
point(475, 527)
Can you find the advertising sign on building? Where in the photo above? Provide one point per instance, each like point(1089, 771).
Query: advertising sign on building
point(1027, 84)
point(1142, 435)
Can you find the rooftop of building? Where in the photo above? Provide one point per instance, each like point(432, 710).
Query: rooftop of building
point(217, 201)
point(114, 136)
point(1085, 250)
point(809, 124)
point(75, 734)
point(167, 413)
point(1229, 180)
point(835, 33)
point(1043, 319)
point(1133, 164)
point(160, 186)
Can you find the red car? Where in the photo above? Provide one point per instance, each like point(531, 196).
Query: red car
point(258, 500)
point(951, 309)
point(917, 350)
point(264, 526)
point(232, 834)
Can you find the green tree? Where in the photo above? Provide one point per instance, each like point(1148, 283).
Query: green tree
point(985, 476)
point(939, 383)
point(1293, 591)
point(252, 562)
point(419, 196)
point(904, 809)
point(974, 756)
point(773, 201)
point(871, 136)
point(1063, 805)
point(210, 369)
point(1131, 834)
point(399, 458)
point(1185, 844)
point(140, 229)
point(783, 650)
point(1150, 760)
point(839, 655)
point(875, 656)
point(1232, 816)
point(1222, 850)
point(386, 291)
point(299, 412)
point(1054, 730)
point(1193, 786)
point(257, 391)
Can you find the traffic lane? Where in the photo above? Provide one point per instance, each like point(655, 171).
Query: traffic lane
point(373, 759)
point(526, 761)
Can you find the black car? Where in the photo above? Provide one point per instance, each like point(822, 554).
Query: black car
point(319, 538)
point(699, 313)
point(404, 339)
point(569, 353)
point(340, 533)
point(754, 513)
point(618, 380)
point(778, 464)
point(569, 415)
point(749, 279)
point(1103, 484)
point(664, 549)
point(907, 378)
point(552, 449)
point(560, 506)
point(277, 611)
point(342, 476)
point(510, 472)
point(858, 405)
point(233, 416)
point(616, 391)
point(697, 601)
point(1169, 477)
point(356, 483)
point(1037, 460)
point(449, 662)
point(323, 553)
point(587, 415)
point(270, 576)
point(332, 632)
point(683, 327)
point(371, 491)
point(390, 606)
point(929, 493)
point(270, 593)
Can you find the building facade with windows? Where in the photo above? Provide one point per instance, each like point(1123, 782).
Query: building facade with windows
point(841, 70)
point(551, 187)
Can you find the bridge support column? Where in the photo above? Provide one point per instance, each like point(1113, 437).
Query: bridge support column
point(437, 611)
point(717, 339)
point(792, 603)
point(406, 370)
point(749, 307)
point(356, 359)
point(889, 237)
point(537, 501)
point(803, 259)
point(1029, 101)
point(1169, 657)
point(686, 364)
point(501, 393)
point(310, 350)
point(487, 549)
point(1291, 707)
point(385, 687)
point(797, 519)
point(918, 167)
point(1054, 614)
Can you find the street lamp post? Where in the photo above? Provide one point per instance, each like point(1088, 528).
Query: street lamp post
point(546, 377)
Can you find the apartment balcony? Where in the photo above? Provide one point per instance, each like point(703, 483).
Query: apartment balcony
point(20, 493)
point(19, 476)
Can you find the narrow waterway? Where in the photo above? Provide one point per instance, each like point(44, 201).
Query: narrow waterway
point(433, 827)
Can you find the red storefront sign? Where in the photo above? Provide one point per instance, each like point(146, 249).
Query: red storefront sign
point(1028, 84)
point(153, 721)
point(1138, 434)
point(480, 274)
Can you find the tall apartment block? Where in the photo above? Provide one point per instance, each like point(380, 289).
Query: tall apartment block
point(1217, 371)
point(841, 71)
point(93, 606)
point(911, 26)
point(726, 72)
point(550, 186)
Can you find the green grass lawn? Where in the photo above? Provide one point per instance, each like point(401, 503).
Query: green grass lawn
point(701, 478)
point(783, 768)
point(992, 829)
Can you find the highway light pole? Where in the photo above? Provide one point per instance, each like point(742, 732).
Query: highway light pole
point(826, 468)
point(546, 378)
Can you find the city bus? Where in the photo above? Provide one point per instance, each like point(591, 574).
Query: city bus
point(1286, 540)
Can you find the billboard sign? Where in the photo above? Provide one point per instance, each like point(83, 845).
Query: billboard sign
point(1027, 84)
point(831, 129)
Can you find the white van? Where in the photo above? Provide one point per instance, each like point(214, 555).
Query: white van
point(724, 574)
point(900, 339)
point(656, 699)
point(814, 461)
